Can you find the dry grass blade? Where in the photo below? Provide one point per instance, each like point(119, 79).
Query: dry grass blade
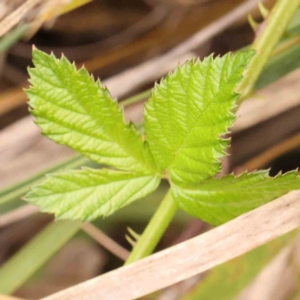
point(279, 279)
point(272, 100)
point(270, 154)
point(3, 297)
point(105, 240)
point(18, 214)
point(14, 18)
point(194, 256)
point(37, 11)
point(139, 75)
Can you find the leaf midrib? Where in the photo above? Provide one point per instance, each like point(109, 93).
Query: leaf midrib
point(95, 185)
point(202, 112)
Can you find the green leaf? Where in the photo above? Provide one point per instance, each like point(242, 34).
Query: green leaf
point(88, 193)
point(188, 112)
point(73, 109)
point(217, 201)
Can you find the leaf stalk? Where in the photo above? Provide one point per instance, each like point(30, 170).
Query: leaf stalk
point(154, 230)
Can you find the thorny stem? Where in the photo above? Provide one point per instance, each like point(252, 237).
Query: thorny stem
point(275, 26)
point(277, 22)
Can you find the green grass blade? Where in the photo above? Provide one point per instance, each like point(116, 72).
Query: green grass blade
point(12, 37)
point(34, 254)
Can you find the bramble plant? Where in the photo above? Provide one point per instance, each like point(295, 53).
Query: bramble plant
point(186, 118)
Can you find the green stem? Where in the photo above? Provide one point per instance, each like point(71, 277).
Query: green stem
point(154, 230)
point(276, 24)
point(34, 254)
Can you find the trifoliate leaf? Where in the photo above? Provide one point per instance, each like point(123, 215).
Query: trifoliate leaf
point(89, 193)
point(73, 109)
point(217, 201)
point(188, 112)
